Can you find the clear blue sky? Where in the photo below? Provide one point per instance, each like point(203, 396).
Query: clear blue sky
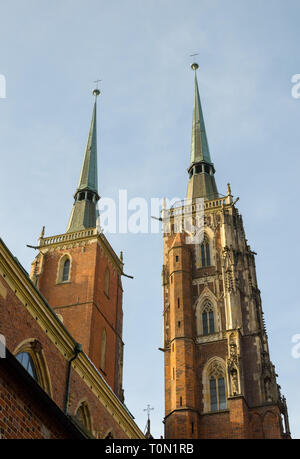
point(52, 51)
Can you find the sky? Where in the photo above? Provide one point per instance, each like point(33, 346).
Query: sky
point(53, 51)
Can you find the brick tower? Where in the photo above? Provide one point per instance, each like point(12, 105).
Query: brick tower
point(219, 379)
point(79, 274)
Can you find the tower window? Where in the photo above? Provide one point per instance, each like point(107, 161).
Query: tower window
point(208, 320)
point(213, 394)
point(198, 169)
point(205, 323)
point(205, 254)
point(89, 196)
point(211, 322)
point(207, 169)
point(217, 394)
point(216, 386)
point(66, 270)
point(177, 258)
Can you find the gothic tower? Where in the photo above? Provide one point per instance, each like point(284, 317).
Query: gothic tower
point(79, 274)
point(219, 379)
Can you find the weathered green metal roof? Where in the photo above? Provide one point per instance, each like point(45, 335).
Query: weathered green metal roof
point(84, 211)
point(201, 171)
point(89, 173)
point(199, 149)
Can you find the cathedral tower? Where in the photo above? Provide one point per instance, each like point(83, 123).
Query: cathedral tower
point(219, 379)
point(79, 274)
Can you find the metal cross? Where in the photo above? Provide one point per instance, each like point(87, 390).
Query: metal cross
point(148, 409)
point(97, 82)
point(192, 55)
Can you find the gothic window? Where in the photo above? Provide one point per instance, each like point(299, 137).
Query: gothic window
point(106, 281)
point(205, 253)
point(217, 390)
point(208, 319)
point(31, 357)
point(103, 350)
point(26, 361)
point(83, 416)
point(205, 323)
point(66, 270)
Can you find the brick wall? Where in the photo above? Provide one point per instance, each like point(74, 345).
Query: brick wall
point(18, 325)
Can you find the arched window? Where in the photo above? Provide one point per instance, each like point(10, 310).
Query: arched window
point(208, 320)
point(66, 270)
point(103, 350)
point(217, 390)
point(106, 282)
point(83, 416)
point(205, 253)
point(26, 361)
point(30, 355)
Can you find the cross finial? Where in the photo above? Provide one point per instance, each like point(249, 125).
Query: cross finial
point(97, 83)
point(96, 91)
point(148, 409)
point(194, 66)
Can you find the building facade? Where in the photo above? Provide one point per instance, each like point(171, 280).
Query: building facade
point(62, 375)
point(219, 379)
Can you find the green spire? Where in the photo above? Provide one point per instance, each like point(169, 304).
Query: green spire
point(200, 149)
point(89, 174)
point(84, 212)
point(201, 171)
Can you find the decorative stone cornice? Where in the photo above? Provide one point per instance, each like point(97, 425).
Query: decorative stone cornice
point(80, 237)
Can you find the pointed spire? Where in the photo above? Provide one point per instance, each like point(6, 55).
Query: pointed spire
point(200, 149)
point(84, 212)
point(201, 171)
point(89, 174)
